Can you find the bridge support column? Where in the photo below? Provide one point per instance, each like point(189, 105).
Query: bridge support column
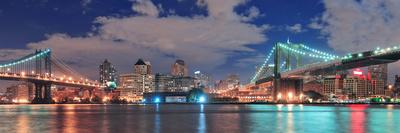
point(38, 93)
point(47, 94)
point(42, 94)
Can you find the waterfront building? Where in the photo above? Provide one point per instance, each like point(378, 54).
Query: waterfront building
point(142, 67)
point(202, 80)
point(133, 85)
point(333, 85)
point(179, 69)
point(355, 87)
point(393, 91)
point(107, 72)
point(181, 84)
point(378, 72)
point(162, 82)
point(21, 93)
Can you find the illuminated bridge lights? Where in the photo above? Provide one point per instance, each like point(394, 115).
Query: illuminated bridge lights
point(263, 65)
point(27, 59)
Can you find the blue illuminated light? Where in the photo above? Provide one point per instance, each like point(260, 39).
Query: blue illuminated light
point(202, 99)
point(157, 100)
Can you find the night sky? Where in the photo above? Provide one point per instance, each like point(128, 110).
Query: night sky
point(213, 36)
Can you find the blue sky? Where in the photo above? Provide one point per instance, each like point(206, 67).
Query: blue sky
point(214, 36)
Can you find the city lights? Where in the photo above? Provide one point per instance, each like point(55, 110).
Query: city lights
point(157, 100)
point(279, 96)
point(202, 99)
point(290, 96)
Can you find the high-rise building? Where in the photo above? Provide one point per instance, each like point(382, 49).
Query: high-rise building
point(333, 85)
point(126, 85)
point(107, 72)
point(378, 72)
point(142, 67)
point(202, 80)
point(179, 68)
point(356, 87)
point(19, 93)
point(162, 82)
point(133, 85)
point(181, 84)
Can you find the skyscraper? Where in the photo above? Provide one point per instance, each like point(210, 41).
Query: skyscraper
point(202, 80)
point(142, 67)
point(143, 79)
point(378, 72)
point(179, 68)
point(133, 85)
point(107, 72)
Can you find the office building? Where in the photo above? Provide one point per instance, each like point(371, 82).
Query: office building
point(107, 72)
point(180, 69)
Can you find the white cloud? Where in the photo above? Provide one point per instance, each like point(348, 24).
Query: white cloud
point(145, 7)
point(204, 42)
point(222, 9)
point(359, 25)
point(252, 14)
point(296, 28)
point(352, 25)
point(12, 54)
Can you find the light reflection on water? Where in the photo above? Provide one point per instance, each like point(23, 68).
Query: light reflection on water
point(200, 118)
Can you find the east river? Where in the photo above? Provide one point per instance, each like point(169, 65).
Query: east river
point(197, 118)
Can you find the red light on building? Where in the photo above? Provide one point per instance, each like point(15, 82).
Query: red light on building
point(358, 72)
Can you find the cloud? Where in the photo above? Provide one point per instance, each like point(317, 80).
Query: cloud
point(252, 14)
point(250, 61)
point(357, 25)
point(315, 24)
point(12, 54)
point(296, 28)
point(222, 9)
point(145, 7)
point(360, 25)
point(203, 42)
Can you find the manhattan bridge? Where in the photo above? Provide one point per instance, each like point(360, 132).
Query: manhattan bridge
point(289, 64)
point(44, 70)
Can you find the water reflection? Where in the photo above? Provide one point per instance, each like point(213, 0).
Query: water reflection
point(202, 120)
point(357, 118)
point(199, 118)
point(23, 124)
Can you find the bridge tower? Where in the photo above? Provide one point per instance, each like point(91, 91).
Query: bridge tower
point(289, 57)
point(43, 70)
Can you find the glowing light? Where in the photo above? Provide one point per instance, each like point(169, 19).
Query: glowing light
point(22, 73)
point(358, 72)
point(202, 99)
point(279, 96)
point(157, 100)
point(290, 95)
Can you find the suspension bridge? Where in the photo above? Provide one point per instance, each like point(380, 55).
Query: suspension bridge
point(286, 61)
point(43, 69)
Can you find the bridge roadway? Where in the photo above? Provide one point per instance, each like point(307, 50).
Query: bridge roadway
point(356, 61)
point(51, 80)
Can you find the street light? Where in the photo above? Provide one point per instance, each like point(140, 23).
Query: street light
point(290, 96)
point(279, 96)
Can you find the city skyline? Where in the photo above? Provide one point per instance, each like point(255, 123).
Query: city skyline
point(98, 27)
point(199, 66)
